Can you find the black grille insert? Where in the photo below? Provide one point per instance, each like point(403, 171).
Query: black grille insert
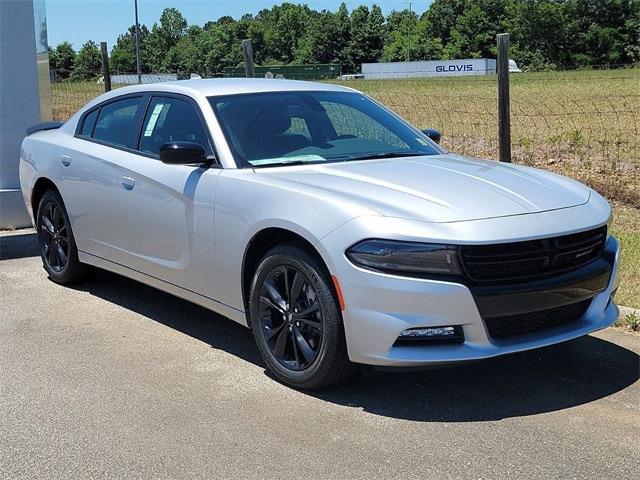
point(522, 324)
point(532, 259)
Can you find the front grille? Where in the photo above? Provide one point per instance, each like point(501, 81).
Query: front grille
point(522, 324)
point(532, 259)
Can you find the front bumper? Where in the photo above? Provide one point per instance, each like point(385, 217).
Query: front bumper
point(380, 306)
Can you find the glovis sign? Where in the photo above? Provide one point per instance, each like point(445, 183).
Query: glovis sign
point(432, 68)
point(455, 68)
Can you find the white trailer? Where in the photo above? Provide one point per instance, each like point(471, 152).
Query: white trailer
point(433, 68)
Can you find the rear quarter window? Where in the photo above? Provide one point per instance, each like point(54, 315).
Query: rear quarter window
point(89, 123)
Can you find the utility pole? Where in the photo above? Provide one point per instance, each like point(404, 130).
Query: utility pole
point(247, 49)
point(138, 68)
point(105, 66)
point(504, 108)
point(409, 34)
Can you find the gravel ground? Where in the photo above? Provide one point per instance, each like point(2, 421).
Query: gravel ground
point(113, 379)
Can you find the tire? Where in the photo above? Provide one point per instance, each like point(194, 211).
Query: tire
point(57, 245)
point(302, 341)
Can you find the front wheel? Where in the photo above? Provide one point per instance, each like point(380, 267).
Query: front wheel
point(296, 320)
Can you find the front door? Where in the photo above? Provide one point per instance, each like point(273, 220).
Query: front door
point(161, 217)
point(169, 222)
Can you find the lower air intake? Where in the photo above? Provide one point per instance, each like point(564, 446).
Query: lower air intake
point(522, 324)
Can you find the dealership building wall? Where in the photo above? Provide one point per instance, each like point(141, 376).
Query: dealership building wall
point(23, 54)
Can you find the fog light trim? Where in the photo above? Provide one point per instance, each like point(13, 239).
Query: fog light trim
point(422, 335)
point(429, 332)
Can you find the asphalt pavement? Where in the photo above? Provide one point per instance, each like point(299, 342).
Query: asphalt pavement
point(113, 379)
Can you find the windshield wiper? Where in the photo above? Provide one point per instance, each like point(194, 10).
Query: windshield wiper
point(375, 155)
point(285, 163)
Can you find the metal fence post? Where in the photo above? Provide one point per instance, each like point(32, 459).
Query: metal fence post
point(247, 49)
point(504, 110)
point(105, 66)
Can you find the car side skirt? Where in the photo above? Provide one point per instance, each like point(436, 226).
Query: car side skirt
point(206, 302)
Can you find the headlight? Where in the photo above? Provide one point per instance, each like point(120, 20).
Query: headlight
point(405, 257)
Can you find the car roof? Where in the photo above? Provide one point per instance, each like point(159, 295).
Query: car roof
point(199, 88)
point(232, 86)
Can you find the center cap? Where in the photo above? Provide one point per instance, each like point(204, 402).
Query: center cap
point(289, 317)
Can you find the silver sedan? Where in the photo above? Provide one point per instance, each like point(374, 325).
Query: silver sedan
point(339, 233)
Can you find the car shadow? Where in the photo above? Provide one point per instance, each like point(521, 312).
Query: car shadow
point(528, 383)
point(19, 245)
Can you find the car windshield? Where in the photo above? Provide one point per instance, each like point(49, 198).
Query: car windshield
point(293, 128)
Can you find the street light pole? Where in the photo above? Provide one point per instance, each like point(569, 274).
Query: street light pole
point(409, 34)
point(138, 44)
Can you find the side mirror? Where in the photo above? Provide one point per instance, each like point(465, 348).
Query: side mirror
point(182, 153)
point(433, 134)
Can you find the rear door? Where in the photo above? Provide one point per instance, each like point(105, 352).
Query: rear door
point(92, 164)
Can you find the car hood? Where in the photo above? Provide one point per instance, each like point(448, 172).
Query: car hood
point(438, 188)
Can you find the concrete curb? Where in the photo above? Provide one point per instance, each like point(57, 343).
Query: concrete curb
point(624, 311)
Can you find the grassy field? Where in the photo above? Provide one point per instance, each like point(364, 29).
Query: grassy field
point(584, 124)
point(626, 226)
point(68, 97)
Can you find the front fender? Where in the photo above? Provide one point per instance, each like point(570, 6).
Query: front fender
point(246, 203)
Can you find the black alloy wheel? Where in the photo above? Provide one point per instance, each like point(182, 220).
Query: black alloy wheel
point(290, 317)
point(54, 237)
point(57, 245)
point(296, 320)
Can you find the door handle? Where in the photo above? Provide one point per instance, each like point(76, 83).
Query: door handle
point(66, 160)
point(128, 183)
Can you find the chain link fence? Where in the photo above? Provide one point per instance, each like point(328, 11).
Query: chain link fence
point(67, 97)
point(584, 124)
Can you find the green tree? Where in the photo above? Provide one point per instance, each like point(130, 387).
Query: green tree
point(402, 36)
point(343, 23)
point(222, 47)
point(53, 58)
point(472, 35)
point(123, 53)
point(252, 27)
point(63, 59)
point(366, 36)
point(320, 43)
point(376, 33)
point(162, 38)
point(88, 63)
point(544, 34)
point(442, 16)
point(603, 33)
point(285, 26)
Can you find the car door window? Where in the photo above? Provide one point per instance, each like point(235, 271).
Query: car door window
point(171, 120)
point(89, 123)
point(116, 122)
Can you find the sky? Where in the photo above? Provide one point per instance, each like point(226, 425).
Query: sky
point(103, 20)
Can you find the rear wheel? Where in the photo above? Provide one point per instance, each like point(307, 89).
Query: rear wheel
point(57, 245)
point(296, 320)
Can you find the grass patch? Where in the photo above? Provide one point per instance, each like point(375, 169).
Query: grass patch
point(626, 226)
point(68, 97)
